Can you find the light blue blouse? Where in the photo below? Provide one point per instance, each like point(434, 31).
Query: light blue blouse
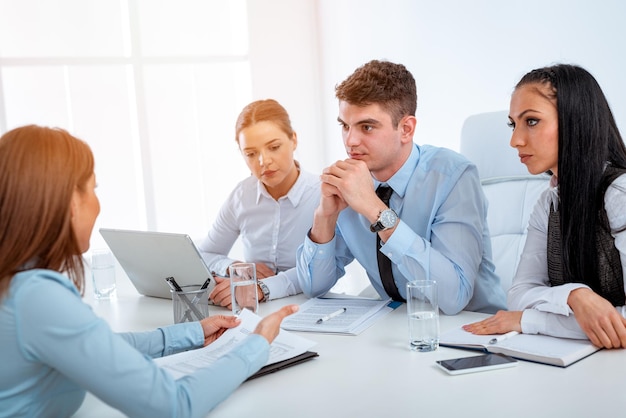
point(54, 348)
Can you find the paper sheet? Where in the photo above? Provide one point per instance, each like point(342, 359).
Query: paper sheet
point(285, 346)
point(359, 315)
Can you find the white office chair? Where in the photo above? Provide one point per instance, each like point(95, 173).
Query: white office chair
point(510, 190)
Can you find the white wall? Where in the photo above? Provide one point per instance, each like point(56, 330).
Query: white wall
point(466, 56)
point(284, 64)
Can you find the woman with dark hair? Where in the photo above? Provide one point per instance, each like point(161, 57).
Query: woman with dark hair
point(53, 347)
point(570, 279)
point(271, 210)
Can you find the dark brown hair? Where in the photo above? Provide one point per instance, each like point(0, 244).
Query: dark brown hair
point(389, 85)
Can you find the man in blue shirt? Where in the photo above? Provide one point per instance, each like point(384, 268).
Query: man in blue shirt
point(433, 227)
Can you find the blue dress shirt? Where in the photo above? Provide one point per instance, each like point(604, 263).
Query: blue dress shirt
point(442, 235)
point(54, 348)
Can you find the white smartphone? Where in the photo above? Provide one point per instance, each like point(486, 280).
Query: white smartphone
point(476, 364)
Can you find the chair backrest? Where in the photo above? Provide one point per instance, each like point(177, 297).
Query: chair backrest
point(510, 190)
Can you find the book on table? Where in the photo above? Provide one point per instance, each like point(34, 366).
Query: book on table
point(286, 350)
point(543, 349)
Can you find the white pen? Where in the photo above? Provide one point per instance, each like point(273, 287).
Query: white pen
point(331, 315)
point(503, 337)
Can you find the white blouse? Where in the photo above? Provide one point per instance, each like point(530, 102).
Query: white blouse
point(271, 230)
point(545, 308)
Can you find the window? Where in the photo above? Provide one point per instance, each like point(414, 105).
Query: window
point(153, 86)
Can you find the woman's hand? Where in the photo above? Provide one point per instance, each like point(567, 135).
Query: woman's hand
point(221, 292)
point(604, 326)
point(269, 327)
point(501, 323)
point(263, 271)
point(214, 326)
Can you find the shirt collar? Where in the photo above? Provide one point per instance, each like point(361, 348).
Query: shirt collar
point(400, 180)
point(294, 194)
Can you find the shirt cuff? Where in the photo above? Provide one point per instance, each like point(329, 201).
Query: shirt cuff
point(400, 243)
point(557, 302)
point(181, 337)
point(281, 286)
point(254, 351)
point(533, 322)
point(313, 250)
point(221, 267)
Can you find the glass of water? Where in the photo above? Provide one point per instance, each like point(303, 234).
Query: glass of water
point(243, 287)
point(103, 274)
point(423, 313)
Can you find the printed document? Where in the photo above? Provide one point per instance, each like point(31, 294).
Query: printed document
point(329, 315)
point(285, 346)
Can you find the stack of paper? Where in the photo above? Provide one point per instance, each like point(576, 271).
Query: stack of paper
point(340, 316)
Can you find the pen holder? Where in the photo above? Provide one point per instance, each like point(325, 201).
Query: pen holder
point(191, 303)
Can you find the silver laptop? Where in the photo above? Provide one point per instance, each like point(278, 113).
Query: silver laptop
point(148, 258)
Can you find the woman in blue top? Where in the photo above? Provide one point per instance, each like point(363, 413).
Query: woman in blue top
point(53, 347)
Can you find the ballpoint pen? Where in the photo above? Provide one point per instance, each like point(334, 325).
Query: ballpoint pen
point(196, 298)
point(331, 315)
point(206, 283)
point(503, 337)
point(172, 284)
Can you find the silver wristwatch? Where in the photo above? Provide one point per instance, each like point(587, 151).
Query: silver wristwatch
point(265, 290)
point(386, 219)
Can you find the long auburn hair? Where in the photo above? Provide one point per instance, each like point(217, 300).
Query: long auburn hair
point(588, 140)
point(40, 168)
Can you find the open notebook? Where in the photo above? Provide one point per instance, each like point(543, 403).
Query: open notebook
point(544, 349)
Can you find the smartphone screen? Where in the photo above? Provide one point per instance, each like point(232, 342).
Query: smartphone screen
point(476, 363)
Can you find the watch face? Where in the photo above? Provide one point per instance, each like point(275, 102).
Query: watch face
point(388, 218)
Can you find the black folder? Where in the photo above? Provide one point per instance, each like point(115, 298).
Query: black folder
point(274, 367)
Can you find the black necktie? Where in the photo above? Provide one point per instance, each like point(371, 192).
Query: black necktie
point(384, 263)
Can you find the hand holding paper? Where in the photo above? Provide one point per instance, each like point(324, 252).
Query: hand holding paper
point(284, 347)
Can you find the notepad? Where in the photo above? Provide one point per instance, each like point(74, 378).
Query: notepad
point(359, 315)
point(543, 349)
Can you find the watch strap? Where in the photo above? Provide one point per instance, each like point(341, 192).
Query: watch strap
point(265, 290)
point(378, 225)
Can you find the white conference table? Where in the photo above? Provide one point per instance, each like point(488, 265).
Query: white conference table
point(375, 374)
